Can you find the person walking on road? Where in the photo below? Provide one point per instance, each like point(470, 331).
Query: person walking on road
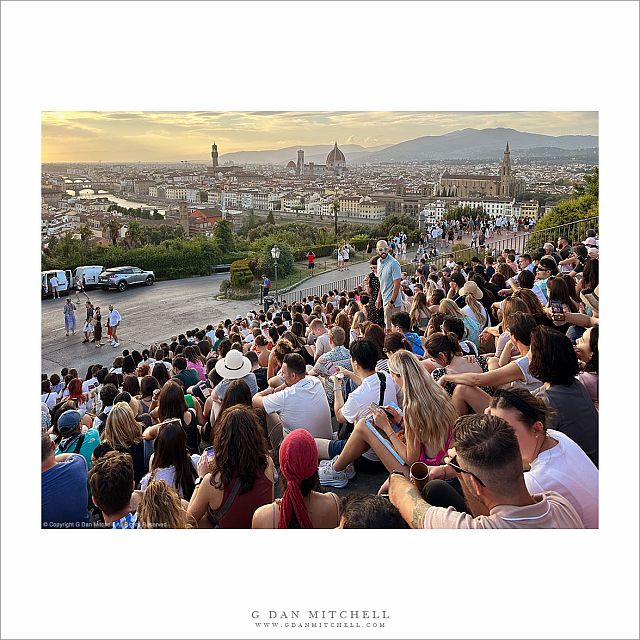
point(114, 322)
point(69, 316)
point(88, 323)
point(80, 289)
point(97, 327)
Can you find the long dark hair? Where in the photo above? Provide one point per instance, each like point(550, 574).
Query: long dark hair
point(171, 402)
point(558, 290)
point(193, 355)
point(170, 450)
point(241, 449)
point(160, 373)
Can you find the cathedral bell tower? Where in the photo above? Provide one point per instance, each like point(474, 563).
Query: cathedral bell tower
point(505, 174)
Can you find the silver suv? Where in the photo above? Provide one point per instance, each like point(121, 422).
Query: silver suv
point(121, 277)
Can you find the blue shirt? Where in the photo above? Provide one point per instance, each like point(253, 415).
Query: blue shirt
point(388, 271)
point(414, 341)
point(64, 495)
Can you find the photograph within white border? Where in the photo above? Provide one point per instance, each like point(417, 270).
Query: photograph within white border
point(317, 56)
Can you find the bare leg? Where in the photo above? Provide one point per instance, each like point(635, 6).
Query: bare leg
point(359, 441)
point(323, 448)
point(494, 363)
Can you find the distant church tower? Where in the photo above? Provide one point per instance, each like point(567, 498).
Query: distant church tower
point(505, 174)
point(214, 154)
point(184, 217)
point(300, 165)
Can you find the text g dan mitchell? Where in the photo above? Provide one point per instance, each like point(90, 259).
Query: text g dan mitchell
point(328, 614)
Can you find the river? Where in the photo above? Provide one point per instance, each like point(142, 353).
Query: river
point(90, 194)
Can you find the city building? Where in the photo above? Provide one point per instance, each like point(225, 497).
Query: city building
point(505, 184)
point(335, 165)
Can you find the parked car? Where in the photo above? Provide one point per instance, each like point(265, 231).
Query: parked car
point(121, 277)
point(90, 273)
point(64, 281)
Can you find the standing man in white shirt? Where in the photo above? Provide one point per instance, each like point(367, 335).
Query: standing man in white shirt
point(54, 286)
point(390, 275)
point(114, 322)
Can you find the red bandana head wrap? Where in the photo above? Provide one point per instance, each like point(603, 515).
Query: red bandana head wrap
point(298, 461)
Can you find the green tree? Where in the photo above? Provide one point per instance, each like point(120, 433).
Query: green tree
point(223, 233)
point(85, 232)
point(135, 234)
point(270, 218)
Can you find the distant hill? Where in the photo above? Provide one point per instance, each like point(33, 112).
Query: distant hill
point(466, 144)
point(474, 144)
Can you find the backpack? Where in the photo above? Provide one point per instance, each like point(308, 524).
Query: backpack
point(345, 429)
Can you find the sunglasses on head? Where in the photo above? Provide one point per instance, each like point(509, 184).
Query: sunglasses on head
point(453, 463)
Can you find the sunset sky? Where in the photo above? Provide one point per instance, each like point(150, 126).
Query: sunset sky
point(148, 136)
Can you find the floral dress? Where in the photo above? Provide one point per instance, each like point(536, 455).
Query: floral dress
point(482, 362)
point(373, 313)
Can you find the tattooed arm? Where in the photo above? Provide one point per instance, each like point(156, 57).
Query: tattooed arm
point(407, 500)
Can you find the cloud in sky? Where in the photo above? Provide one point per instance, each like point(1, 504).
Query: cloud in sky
point(147, 136)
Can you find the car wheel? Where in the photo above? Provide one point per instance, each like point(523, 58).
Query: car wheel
point(149, 281)
point(122, 285)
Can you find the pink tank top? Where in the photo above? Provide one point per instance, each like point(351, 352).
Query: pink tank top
point(437, 459)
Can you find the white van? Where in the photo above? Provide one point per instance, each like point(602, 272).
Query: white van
point(90, 274)
point(64, 281)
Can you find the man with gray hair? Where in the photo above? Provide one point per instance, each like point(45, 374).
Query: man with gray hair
point(390, 275)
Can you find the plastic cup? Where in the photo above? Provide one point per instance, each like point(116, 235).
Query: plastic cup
point(419, 475)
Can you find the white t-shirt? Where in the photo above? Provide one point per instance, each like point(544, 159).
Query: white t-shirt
point(50, 399)
point(530, 382)
point(168, 474)
point(567, 470)
point(54, 282)
point(302, 406)
point(359, 401)
point(322, 345)
point(467, 312)
point(114, 318)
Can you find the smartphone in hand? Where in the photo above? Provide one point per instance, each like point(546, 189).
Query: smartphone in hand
point(557, 312)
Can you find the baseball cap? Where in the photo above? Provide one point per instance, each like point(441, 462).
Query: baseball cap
point(591, 242)
point(238, 317)
point(69, 421)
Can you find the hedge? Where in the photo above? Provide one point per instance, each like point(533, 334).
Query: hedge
point(241, 274)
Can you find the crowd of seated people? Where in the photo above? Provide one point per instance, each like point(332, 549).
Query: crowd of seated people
point(482, 373)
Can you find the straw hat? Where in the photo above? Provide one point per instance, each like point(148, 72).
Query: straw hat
point(234, 366)
point(591, 298)
point(472, 288)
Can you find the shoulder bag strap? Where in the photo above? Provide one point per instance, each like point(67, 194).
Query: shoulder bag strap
point(220, 513)
point(383, 386)
point(79, 443)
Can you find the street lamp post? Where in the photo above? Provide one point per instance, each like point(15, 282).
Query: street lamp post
point(275, 254)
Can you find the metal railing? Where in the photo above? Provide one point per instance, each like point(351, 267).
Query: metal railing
point(526, 242)
point(344, 284)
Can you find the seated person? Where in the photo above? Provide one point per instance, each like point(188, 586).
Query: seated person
point(72, 439)
point(112, 490)
point(300, 403)
point(327, 364)
point(64, 488)
point(365, 511)
point(301, 506)
point(487, 462)
point(401, 323)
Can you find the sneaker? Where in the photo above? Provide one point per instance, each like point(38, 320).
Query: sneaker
point(115, 344)
point(331, 478)
point(350, 470)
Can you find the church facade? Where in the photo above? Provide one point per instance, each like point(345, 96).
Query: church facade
point(504, 185)
point(335, 165)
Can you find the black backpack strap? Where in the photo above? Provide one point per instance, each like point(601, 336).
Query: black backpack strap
point(79, 443)
point(383, 387)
